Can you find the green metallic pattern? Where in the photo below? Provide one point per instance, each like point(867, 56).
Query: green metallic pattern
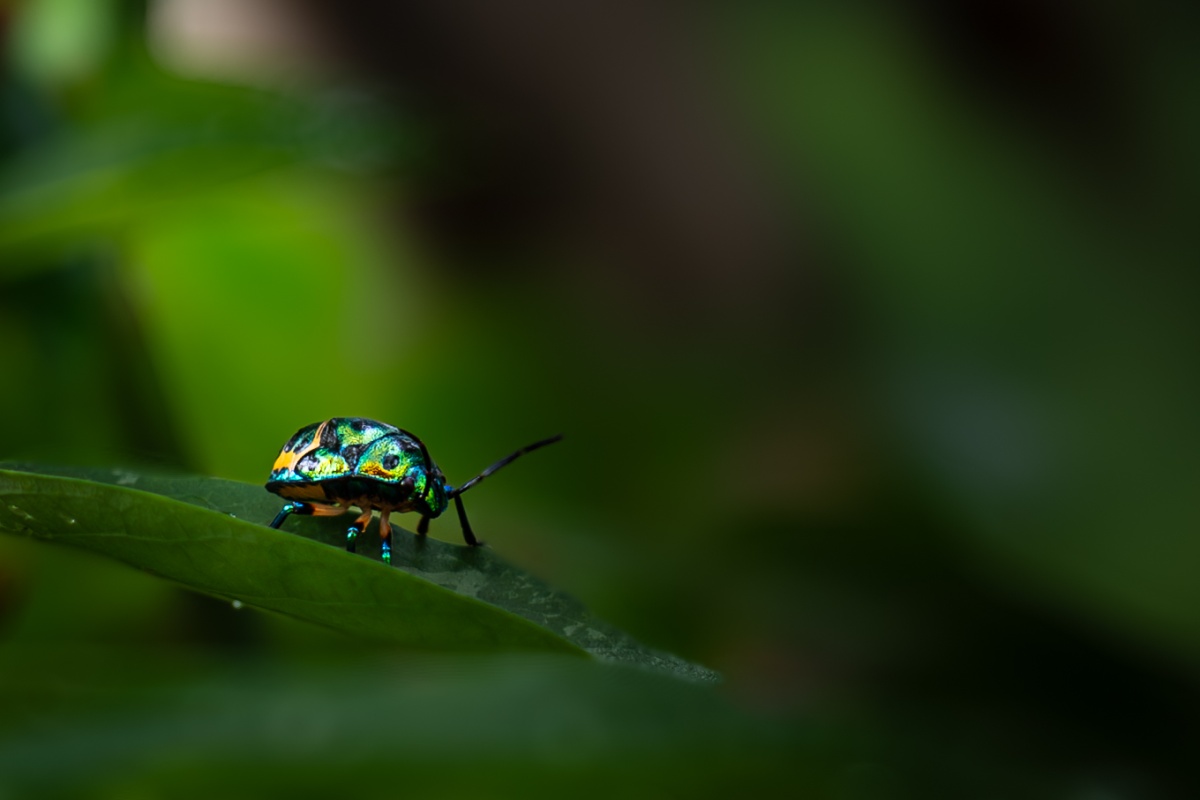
point(433, 492)
point(352, 431)
point(391, 459)
point(328, 467)
point(352, 457)
point(322, 464)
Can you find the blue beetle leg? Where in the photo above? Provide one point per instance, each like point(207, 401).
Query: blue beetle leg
point(468, 534)
point(294, 507)
point(357, 527)
point(423, 526)
point(385, 536)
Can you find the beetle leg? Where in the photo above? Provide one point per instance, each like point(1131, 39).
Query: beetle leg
point(293, 507)
point(357, 527)
point(423, 526)
point(307, 509)
point(468, 534)
point(385, 536)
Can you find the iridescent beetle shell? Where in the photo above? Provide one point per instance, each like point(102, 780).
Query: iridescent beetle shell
point(361, 462)
point(327, 467)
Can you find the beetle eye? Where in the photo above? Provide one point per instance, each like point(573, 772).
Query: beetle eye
point(391, 461)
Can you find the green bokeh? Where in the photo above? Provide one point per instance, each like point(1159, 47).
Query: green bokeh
point(928, 475)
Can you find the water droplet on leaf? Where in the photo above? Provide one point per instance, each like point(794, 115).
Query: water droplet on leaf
point(20, 512)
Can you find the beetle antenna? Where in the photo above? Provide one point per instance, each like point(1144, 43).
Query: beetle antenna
point(501, 463)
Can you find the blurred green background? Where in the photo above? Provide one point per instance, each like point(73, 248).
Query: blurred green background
point(871, 332)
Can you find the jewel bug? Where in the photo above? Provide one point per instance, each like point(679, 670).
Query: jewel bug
point(329, 466)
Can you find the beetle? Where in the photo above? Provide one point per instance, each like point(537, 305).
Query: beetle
point(329, 466)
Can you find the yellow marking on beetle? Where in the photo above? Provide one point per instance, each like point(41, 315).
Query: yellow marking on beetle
point(321, 510)
point(302, 491)
point(372, 469)
point(316, 440)
point(331, 466)
point(288, 460)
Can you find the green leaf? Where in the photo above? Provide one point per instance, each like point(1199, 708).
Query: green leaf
point(210, 535)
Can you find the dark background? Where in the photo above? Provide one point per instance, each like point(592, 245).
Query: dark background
point(871, 331)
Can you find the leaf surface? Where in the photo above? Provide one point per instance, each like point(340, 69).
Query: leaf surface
point(210, 535)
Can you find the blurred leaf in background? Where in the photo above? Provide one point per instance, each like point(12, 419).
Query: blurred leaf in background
point(870, 331)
